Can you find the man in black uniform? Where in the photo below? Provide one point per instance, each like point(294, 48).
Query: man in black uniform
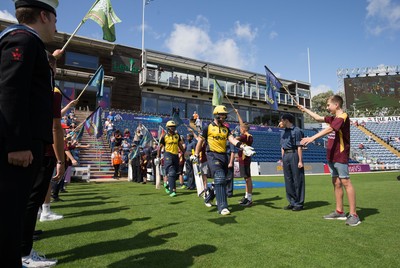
point(216, 135)
point(26, 115)
point(292, 160)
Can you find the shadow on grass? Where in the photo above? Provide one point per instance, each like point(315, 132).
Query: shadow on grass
point(81, 193)
point(223, 220)
point(82, 204)
point(98, 197)
point(315, 204)
point(86, 213)
point(365, 212)
point(166, 258)
point(97, 226)
point(268, 202)
point(141, 240)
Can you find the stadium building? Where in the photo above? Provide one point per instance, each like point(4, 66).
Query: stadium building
point(166, 81)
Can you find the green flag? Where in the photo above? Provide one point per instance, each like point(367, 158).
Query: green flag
point(103, 14)
point(217, 94)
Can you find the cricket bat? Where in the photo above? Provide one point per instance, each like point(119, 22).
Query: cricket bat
point(158, 181)
point(198, 179)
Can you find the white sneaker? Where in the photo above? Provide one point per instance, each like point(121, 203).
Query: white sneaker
point(50, 217)
point(35, 260)
point(225, 211)
point(208, 204)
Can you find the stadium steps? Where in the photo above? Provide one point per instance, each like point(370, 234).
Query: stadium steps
point(379, 140)
point(97, 156)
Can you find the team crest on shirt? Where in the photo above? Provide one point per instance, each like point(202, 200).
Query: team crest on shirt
point(16, 54)
point(224, 131)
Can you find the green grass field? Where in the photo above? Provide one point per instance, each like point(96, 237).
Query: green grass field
point(127, 224)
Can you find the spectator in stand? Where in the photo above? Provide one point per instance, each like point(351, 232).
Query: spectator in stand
point(111, 116)
point(118, 139)
point(140, 129)
point(109, 127)
point(136, 138)
point(127, 135)
point(195, 116)
point(198, 124)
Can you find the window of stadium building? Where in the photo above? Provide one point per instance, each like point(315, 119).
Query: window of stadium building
point(81, 60)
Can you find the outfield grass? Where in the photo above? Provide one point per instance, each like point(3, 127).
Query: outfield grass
point(127, 224)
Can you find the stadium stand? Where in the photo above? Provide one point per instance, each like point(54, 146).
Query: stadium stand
point(267, 144)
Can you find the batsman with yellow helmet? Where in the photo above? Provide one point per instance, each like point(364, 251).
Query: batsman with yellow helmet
point(216, 134)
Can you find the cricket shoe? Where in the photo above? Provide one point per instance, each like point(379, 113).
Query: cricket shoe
point(50, 217)
point(225, 211)
point(36, 260)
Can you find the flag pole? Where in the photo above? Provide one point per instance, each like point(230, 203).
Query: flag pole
point(77, 28)
point(284, 87)
point(83, 90)
point(230, 102)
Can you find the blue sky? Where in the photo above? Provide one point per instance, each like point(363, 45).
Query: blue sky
point(250, 34)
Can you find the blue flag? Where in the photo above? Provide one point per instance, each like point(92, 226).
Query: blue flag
point(273, 86)
point(97, 81)
point(97, 122)
point(93, 123)
point(147, 138)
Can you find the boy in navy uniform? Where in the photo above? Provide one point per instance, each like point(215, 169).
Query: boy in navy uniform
point(292, 161)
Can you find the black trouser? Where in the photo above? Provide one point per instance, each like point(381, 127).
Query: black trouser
point(294, 179)
point(15, 187)
point(229, 181)
point(56, 186)
point(191, 183)
point(36, 199)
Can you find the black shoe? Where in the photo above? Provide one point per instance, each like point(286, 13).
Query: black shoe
point(298, 208)
point(242, 200)
point(35, 238)
point(56, 199)
point(37, 232)
point(246, 203)
point(288, 207)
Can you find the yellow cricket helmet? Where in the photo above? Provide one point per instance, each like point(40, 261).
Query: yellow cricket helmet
point(220, 109)
point(171, 123)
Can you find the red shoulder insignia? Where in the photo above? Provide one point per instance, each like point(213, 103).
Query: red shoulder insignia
point(17, 54)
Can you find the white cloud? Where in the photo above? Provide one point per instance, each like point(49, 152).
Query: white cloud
point(273, 35)
point(188, 41)
point(320, 89)
point(244, 31)
point(382, 15)
point(225, 52)
point(193, 41)
point(5, 15)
